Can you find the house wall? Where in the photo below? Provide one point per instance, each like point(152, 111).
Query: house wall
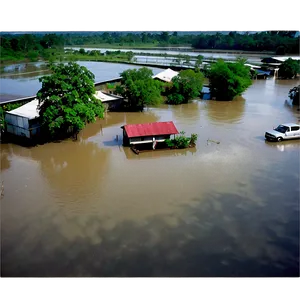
point(114, 104)
point(21, 126)
point(149, 138)
point(205, 96)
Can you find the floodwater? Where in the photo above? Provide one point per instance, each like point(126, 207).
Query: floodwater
point(94, 208)
point(21, 80)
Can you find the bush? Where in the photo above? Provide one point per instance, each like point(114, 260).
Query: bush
point(194, 138)
point(289, 68)
point(181, 141)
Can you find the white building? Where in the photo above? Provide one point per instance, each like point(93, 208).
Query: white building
point(24, 120)
point(166, 75)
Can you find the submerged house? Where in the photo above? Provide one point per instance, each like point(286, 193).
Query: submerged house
point(110, 101)
point(205, 93)
point(148, 133)
point(24, 120)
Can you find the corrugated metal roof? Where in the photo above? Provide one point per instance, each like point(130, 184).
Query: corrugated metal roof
point(166, 75)
point(104, 97)
point(150, 129)
point(28, 110)
point(205, 90)
point(252, 66)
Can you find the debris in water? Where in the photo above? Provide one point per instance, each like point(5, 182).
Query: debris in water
point(217, 142)
point(2, 189)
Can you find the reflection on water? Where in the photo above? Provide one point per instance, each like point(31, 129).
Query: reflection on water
point(225, 111)
point(286, 145)
point(94, 208)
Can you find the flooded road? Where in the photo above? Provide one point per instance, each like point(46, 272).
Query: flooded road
point(94, 208)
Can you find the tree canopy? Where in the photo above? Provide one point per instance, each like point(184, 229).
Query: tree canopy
point(289, 68)
point(138, 86)
point(185, 86)
point(67, 99)
point(227, 80)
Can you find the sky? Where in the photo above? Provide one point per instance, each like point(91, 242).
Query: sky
point(56, 28)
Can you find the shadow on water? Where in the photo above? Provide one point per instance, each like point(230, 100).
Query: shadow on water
point(116, 142)
point(219, 236)
point(285, 145)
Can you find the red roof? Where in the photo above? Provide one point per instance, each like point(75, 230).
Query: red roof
point(150, 129)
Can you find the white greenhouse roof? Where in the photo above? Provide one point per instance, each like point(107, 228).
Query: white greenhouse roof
point(105, 97)
point(284, 58)
point(28, 110)
point(166, 75)
point(252, 66)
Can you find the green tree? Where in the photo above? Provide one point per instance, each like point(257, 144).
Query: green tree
point(198, 62)
point(185, 86)
point(164, 36)
point(81, 51)
point(227, 80)
point(67, 100)
point(289, 68)
point(138, 86)
point(33, 55)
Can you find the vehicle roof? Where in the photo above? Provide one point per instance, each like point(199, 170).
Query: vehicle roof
point(290, 124)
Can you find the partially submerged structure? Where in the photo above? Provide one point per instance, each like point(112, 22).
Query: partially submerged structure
point(166, 75)
point(110, 101)
point(205, 93)
point(24, 120)
point(276, 61)
point(148, 134)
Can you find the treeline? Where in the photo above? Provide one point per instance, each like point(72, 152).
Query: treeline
point(276, 41)
point(280, 42)
point(32, 46)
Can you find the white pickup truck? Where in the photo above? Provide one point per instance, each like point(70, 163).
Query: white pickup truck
point(283, 132)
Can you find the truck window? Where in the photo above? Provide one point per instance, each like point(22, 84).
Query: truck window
point(295, 128)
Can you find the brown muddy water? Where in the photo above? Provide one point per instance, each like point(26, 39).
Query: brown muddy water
point(94, 208)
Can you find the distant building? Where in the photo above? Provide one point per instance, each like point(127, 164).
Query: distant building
point(278, 60)
point(205, 93)
point(148, 133)
point(166, 75)
point(24, 120)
